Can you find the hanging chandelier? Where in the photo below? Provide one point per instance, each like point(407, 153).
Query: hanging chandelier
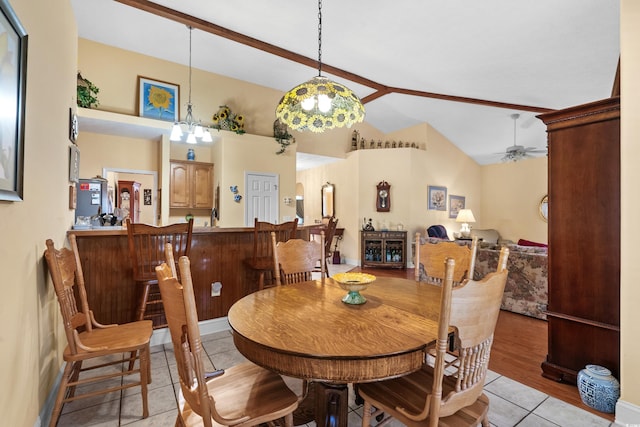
point(195, 131)
point(320, 104)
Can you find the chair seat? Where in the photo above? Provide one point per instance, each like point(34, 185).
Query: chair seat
point(121, 338)
point(245, 390)
point(410, 392)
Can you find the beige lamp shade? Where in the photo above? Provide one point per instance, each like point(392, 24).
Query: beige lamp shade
point(465, 216)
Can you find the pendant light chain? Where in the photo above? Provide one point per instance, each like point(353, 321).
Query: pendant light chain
point(319, 38)
point(190, 35)
point(319, 104)
point(196, 131)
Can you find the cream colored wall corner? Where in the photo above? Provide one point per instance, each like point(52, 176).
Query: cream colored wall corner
point(32, 338)
point(511, 195)
point(628, 408)
point(409, 171)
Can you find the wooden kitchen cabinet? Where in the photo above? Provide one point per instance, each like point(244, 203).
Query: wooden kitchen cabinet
point(190, 184)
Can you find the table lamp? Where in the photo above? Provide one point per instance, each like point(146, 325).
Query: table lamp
point(465, 216)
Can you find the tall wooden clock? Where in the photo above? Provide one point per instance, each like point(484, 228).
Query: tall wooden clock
point(383, 197)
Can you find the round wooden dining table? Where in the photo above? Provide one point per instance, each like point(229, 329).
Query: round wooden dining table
point(305, 331)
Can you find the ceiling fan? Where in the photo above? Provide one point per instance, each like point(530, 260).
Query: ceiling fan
point(518, 152)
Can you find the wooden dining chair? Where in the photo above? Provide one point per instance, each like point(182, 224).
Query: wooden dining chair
point(331, 223)
point(146, 251)
point(431, 397)
point(89, 340)
point(296, 259)
point(432, 256)
point(261, 261)
point(243, 395)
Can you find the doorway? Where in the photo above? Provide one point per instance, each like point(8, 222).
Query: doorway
point(149, 203)
point(261, 198)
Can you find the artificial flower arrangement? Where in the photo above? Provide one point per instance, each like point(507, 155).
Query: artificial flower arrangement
point(227, 120)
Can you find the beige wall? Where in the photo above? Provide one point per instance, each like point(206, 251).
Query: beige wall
point(30, 357)
point(115, 72)
point(630, 153)
point(511, 195)
point(409, 171)
point(31, 340)
point(250, 153)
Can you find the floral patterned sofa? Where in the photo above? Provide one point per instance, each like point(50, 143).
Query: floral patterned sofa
point(526, 291)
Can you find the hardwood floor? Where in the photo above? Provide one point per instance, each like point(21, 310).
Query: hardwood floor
point(519, 347)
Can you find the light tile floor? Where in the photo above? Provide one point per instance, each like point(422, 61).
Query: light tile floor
point(512, 403)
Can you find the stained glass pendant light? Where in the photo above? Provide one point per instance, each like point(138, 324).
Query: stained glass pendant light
point(195, 130)
point(320, 104)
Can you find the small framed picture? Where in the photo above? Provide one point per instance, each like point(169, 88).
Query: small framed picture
point(147, 196)
point(455, 204)
point(73, 196)
point(73, 126)
point(74, 163)
point(437, 198)
point(158, 100)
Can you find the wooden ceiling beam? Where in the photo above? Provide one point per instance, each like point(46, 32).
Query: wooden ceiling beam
point(379, 89)
point(467, 100)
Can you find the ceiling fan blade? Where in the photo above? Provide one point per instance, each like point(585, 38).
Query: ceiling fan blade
point(535, 150)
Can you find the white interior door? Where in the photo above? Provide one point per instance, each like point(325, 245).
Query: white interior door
point(261, 198)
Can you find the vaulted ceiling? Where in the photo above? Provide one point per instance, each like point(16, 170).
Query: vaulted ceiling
point(463, 66)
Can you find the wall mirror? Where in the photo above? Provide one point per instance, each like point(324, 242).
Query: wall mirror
point(544, 208)
point(328, 193)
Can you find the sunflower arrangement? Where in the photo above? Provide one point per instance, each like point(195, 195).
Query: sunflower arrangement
point(225, 119)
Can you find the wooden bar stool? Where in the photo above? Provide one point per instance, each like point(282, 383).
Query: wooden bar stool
point(262, 260)
point(146, 251)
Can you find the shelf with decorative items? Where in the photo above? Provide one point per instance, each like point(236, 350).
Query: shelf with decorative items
point(359, 142)
point(225, 119)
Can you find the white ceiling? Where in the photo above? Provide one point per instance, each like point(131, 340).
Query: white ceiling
point(540, 53)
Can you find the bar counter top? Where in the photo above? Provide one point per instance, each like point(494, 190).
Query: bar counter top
point(217, 255)
point(117, 230)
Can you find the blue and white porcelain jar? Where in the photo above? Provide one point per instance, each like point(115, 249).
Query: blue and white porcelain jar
point(191, 154)
point(598, 388)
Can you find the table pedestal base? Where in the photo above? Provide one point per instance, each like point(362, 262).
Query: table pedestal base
point(332, 404)
point(326, 404)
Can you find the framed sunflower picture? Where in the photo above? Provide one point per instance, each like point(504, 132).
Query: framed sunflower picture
point(158, 100)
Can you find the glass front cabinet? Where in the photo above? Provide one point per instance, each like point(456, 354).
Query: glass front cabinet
point(383, 249)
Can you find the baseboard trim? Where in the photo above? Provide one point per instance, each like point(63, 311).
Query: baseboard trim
point(47, 408)
point(163, 336)
point(627, 414)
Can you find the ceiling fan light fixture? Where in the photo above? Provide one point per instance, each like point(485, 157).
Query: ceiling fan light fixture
point(320, 104)
point(515, 152)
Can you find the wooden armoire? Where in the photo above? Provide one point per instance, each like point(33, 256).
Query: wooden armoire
point(584, 239)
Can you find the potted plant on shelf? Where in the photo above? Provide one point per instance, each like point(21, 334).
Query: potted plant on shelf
point(87, 93)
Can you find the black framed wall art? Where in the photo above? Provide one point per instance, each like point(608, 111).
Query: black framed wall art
point(13, 73)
